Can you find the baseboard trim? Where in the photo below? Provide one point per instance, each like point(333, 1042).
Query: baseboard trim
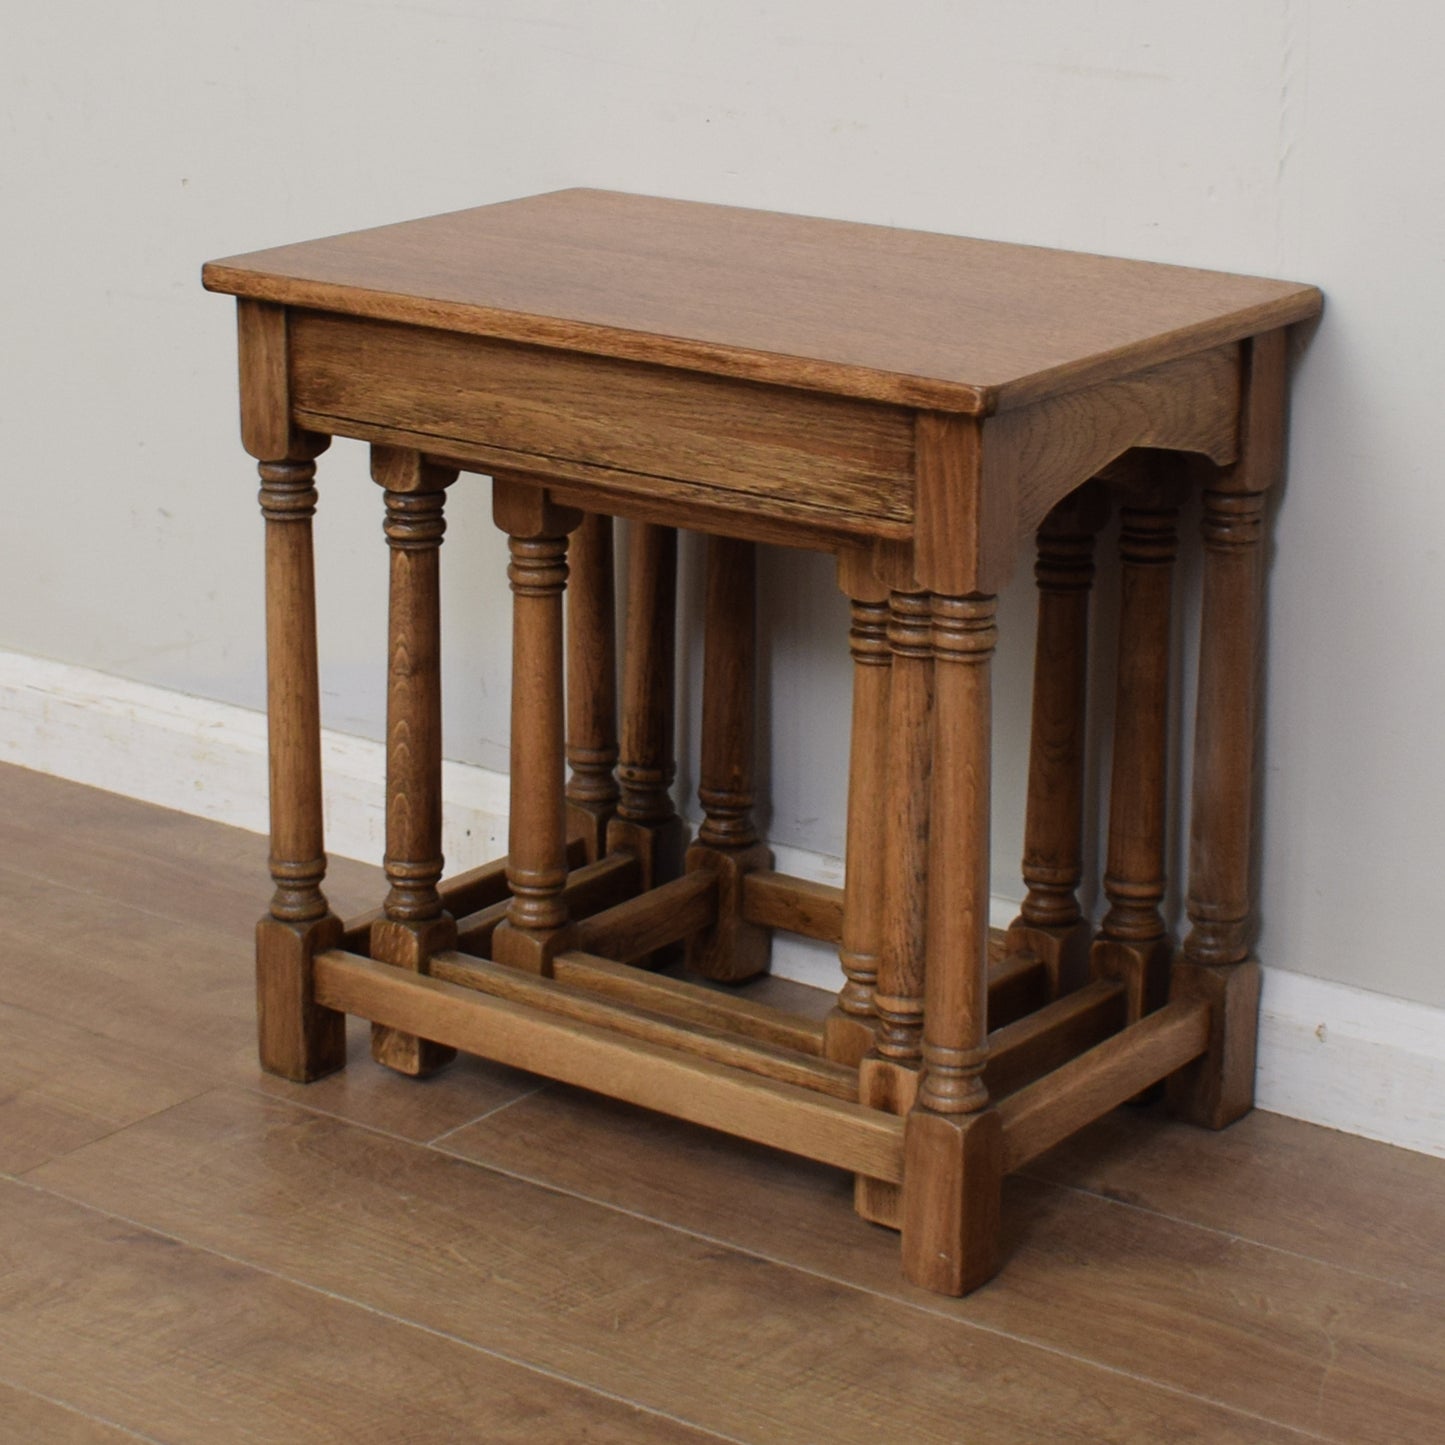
point(1361, 1062)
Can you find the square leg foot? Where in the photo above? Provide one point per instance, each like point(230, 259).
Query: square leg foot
point(732, 950)
point(409, 945)
point(1218, 1087)
point(660, 847)
point(892, 1086)
point(952, 1191)
point(530, 952)
point(1064, 952)
point(1143, 969)
point(847, 1038)
point(297, 1038)
point(587, 823)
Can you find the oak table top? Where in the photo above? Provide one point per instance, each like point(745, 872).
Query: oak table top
point(910, 317)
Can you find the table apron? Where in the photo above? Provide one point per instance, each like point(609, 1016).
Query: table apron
point(607, 424)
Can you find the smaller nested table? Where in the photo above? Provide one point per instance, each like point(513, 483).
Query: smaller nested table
point(922, 406)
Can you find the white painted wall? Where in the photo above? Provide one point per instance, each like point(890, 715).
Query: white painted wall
point(1289, 137)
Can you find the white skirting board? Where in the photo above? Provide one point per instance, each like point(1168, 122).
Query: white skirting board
point(1353, 1060)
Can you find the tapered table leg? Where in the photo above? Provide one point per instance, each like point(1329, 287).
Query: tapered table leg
point(535, 925)
point(646, 822)
point(591, 685)
point(953, 1165)
point(298, 1039)
point(1215, 963)
point(888, 1074)
point(727, 843)
point(1051, 924)
point(850, 1029)
point(1134, 945)
point(415, 924)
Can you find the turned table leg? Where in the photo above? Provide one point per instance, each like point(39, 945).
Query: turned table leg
point(537, 824)
point(646, 822)
point(298, 1039)
point(1215, 964)
point(727, 843)
point(591, 685)
point(415, 924)
point(849, 1031)
point(888, 1075)
point(953, 1164)
point(1134, 945)
point(1051, 925)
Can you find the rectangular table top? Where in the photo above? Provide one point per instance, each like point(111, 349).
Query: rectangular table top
point(866, 311)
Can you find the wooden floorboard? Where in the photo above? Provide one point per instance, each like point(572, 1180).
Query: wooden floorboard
point(1336, 1197)
point(729, 1342)
point(62, 1086)
point(166, 862)
point(181, 992)
point(30, 1417)
point(1306, 1344)
point(182, 1345)
point(536, 1265)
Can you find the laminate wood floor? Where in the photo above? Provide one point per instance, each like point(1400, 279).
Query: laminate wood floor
point(191, 1251)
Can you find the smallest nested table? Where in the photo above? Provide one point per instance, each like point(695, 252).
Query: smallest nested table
point(924, 407)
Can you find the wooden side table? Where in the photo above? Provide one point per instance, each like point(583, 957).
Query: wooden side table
point(923, 407)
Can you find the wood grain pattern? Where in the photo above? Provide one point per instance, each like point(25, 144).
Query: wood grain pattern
point(647, 822)
point(1040, 1115)
point(796, 905)
point(901, 316)
point(1225, 729)
point(953, 1171)
point(1051, 923)
point(174, 1343)
point(663, 501)
point(198, 1012)
point(639, 926)
point(1029, 1047)
point(1134, 944)
point(1001, 412)
point(955, 1017)
point(680, 999)
point(898, 998)
point(888, 1075)
point(267, 432)
point(62, 1086)
point(702, 1040)
point(1221, 825)
point(153, 858)
point(34, 1417)
point(834, 1131)
point(288, 501)
point(588, 890)
point(1296, 1187)
point(296, 1040)
point(591, 684)
point(733, 947)
point(616, 1302)
point(1141, 1306)
point(1308, 1344)
point(729, 687)
point(537, 812)
point(952, 1199)
point(851, 1027)
point(835, 454)
point(462, 893)
point(414, 923)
